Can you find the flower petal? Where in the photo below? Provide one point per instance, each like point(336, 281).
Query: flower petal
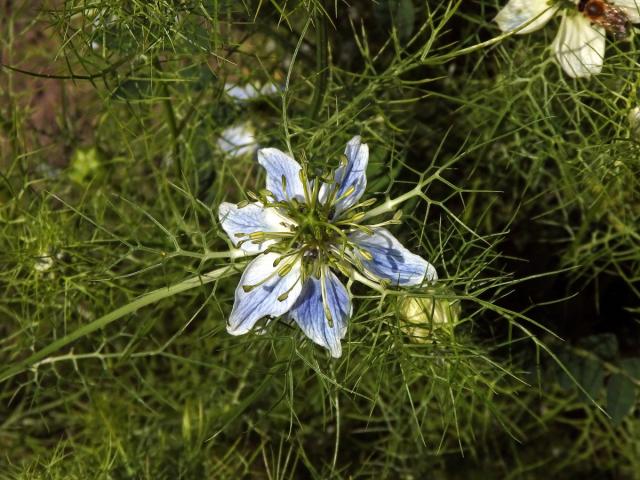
point(238, 140)
point(281, 166)
point(579, 46)
point(390, 260)
point(262, 299)
point(518, 12)
point(241, 92)
point(631, 8)
point(249, 219)
point(244, 93)
point(351, 179)
point(309, 311)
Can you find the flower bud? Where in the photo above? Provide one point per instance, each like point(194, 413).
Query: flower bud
point(422, 316)
point(634, 123)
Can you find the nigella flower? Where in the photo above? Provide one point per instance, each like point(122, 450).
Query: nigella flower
point(304, 231)
point(580, 42)
point(238, 140)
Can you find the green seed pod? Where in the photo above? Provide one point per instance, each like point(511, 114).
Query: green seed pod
point(634, 122)
point(422, 316)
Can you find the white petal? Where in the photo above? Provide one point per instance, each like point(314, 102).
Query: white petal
point(281, 170)
point(238, 140)
point(241, 92)
point(579, 46)
point(249, 219)
point(519, 12)
point(262, 300)
point(630, 7)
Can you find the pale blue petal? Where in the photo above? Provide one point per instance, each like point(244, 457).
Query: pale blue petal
point(251, 218)
point(309, 313)
point(518, 12)
point(391, 261)
point(241, 92)
point(279, 165)
point(262, 300)
point(238, 140)
point(352, 176)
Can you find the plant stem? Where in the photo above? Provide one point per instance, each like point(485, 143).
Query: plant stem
point(390, 204)
point(322, 65)
point(105, 320)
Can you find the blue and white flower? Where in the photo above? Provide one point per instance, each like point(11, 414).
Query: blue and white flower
point(304, 231)
point(238, 140)
point(580, 43)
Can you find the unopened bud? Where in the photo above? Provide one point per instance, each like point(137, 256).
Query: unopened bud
point(422, 316)
point(634, 123)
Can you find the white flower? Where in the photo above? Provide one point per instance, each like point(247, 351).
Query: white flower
point(580, 42)
point(243, 93)
point(238, 140)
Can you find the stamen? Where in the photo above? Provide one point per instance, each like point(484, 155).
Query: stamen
point(302, 174)
point(282, 271)
point(365, 253)
point(325, 304)
point(243, 203)
point(353, 219)
point(266, 193)
point(364, 228)
point(283, 296)
point(253, 196)
point(346, 193)
point(286, 269)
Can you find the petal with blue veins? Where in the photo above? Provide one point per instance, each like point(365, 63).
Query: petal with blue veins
point(350, 179)
point(283, 174)
point(238, 222)
point(309, 311)
point(384, 257)
point(518, 12)
point(264, 291)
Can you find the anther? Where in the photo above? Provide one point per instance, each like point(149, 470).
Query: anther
point(365, 253)
point(285, 269)
point(347, 192)
point(356, 217)
point(283, 297)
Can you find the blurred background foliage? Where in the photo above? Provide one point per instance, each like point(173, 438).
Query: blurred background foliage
point(111, 170)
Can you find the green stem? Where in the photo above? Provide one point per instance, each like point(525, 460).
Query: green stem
point(390, 204)
point(105, 320)
point(322, 65)
point(166, 103)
